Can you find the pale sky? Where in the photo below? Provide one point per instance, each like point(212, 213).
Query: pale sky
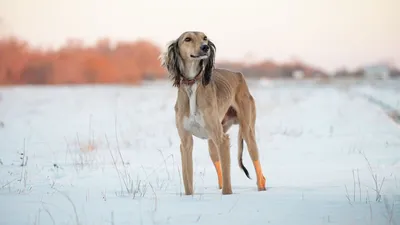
point(326, 33)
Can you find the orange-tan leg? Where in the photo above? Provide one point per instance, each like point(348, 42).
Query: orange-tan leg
point(247, 126)
point(217, 165)
point(215, 159)
point(253, 151)
point(261, 181)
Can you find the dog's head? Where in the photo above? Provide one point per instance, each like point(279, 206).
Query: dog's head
point(192, 47)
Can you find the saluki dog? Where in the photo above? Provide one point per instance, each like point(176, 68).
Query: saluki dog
point(209, 101)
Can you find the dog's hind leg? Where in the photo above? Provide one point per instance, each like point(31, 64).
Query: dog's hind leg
point(222, 143)
point(215, 159)
point(247, 118)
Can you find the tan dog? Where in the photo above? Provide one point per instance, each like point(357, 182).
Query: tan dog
point(208, 103)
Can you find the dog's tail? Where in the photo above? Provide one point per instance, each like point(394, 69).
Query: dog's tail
point(240, 154)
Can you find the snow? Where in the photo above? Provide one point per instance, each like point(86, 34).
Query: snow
point(389, 97)
point(314, 143)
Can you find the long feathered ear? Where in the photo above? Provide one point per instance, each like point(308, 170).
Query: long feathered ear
point(172, 61)
point(209, 64)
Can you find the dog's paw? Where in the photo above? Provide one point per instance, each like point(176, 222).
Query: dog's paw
point(261, 184)
point(226, 191)
point(262, 189)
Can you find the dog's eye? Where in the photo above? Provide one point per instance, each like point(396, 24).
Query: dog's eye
point(188, 39)
point(205, 38)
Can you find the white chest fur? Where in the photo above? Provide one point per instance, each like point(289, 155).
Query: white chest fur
point(195, 122)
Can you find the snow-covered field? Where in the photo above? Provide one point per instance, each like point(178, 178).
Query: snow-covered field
point(99, 155)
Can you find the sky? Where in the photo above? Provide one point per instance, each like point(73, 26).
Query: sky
point(327, 33)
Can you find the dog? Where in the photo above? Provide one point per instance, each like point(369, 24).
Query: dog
point(209, 101)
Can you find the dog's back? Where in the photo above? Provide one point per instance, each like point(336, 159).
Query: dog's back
point(228, 83)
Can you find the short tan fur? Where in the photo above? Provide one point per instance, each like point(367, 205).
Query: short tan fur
point(209, 101)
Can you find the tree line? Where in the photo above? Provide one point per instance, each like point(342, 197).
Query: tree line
point(125, 62)
point(117, 63)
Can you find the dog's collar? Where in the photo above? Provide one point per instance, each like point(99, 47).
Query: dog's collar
point(189, 82)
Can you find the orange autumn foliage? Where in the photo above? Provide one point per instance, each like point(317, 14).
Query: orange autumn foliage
point(108, 63)
point(76, 64)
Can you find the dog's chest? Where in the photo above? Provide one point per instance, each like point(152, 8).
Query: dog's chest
point(194, 123)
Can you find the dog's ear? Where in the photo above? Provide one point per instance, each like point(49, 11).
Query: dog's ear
point(172, 61)
point(209, 64)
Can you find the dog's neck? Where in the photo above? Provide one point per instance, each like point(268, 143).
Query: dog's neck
point(192, 72)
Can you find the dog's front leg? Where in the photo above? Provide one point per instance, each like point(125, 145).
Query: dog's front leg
point(186, 148)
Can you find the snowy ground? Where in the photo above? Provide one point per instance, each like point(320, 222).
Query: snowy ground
point(316, 144)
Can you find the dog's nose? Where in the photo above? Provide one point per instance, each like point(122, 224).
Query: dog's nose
point(204, 48)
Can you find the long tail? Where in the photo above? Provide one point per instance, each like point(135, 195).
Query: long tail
point(240, 154)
